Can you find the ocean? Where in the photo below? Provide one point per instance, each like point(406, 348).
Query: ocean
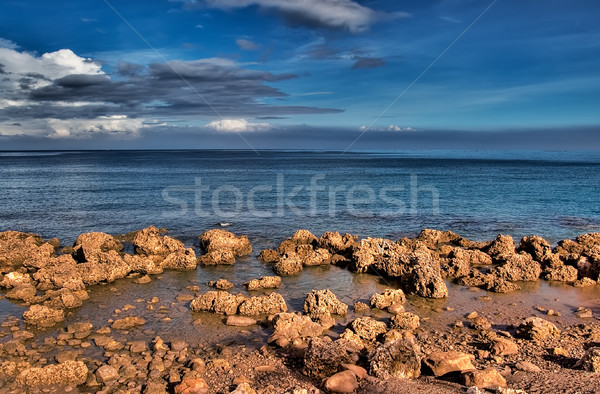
point(269, 195)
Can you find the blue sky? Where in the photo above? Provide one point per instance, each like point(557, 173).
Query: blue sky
point(308, 73)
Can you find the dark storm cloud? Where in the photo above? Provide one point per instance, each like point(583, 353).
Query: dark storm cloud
point(175, 89)
point(367, 62)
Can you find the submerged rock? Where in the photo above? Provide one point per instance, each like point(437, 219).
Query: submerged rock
point(265, 282)
point(269, 256)
point(42, 316)
point(128, 323)
point(288, 265)
point(60, 375)
point(388, 298)
point(217, 302)
point(221, 284)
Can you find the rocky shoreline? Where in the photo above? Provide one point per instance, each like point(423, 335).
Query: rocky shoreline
point(384, 347)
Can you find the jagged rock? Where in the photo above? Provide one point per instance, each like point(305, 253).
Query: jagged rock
point(14, 278)
point(318, 256)
point(59, 375)
point(218, 302)
point(501, 248)
point(324, 356)
point(435, 238)
point(360, 307)
point(18, 249)
point(590, 361)
point(218, 239)
point(405, 321)
point(400, 359)
point(426, 281)
point(221, 284)
point(269, 256)
point(442, 363)
point(536, 328)
point(109, 267)
point(265, 282)
point(291, 326)
point(288, 265)
point(60, 272)
point(563, 273)
point(518, 267)
point(128, 323)
point(483, 379)
point(499, 285)
point(64, 298)
point(537, 247)
point(217, 257)
point(584, 282)
point(271, 304)
point(388, 298)
point(342, 382)
point(459, 262)
point(480, 323)
point(42, 316)
point(143, 264)
point(89, 246)
point(368, 328)
point(150, 242)
point(183, 259)
point(304, 237)
point(22, 292)
point(321, 304)
point(336, 243)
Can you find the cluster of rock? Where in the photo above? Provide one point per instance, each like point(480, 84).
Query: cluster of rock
point(422, 264)
point(35, 272)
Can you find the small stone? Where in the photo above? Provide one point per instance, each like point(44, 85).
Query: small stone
point(559, 351)
point(360, 307)
point(128, 323)
point(342, 382)
point(143, 280)
point(504, 347)
point(486, 379)
point(106, 374)
point(584, 313)
point(472, 315)
point(240, 321)
point(442, 363)
point(527, 366)
point(192, 386)
point(360, 372)
point(243, 388)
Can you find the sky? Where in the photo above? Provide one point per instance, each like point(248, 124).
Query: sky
point(306, 74)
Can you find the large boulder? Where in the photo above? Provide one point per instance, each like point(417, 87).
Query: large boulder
point(324, 356)
point(426, 281)
point(18, 249)
point(342, 382)
point(537, 247)
point(67, 373)
point(217, 257)
point(488, 378)
point(271, 304)
point(400, 358)
point(290, 327)
point(538, 329)
point(22, 292)
point(182, 259)
point(43, 317)
point(436, 238)
point(562, 273)
point(405, 321)
point(89, 246)
point(459, 262)
point(269, 256)
point(109, 267)
point(218, 239)
point(442, 363)
point(304, 237)
point(217, 302)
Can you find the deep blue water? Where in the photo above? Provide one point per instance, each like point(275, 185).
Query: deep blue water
point(391, 194)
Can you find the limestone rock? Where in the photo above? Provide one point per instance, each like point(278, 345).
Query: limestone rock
point(221, 284)
point(442, 363)
point(387, 298)
point(265, 282)
point(484, 379)
point(323, 357)
point(368, 328)
point(271, 304)
point(291, 326)
point(342, 382)
point(288, 265)
point(400, 359)
point(405, 321)
point(217, 302)
point(59, 375)
point(590, 361)
point(42, 316)
point(218, 239)
point(89, 246)
point(128, 323)
point(536, 328)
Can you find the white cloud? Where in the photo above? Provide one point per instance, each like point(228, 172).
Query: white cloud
point(340, 14)
point(4, 43)
point(391, 127)
point(116, 124)
point(246, 45)
point(237, 126)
